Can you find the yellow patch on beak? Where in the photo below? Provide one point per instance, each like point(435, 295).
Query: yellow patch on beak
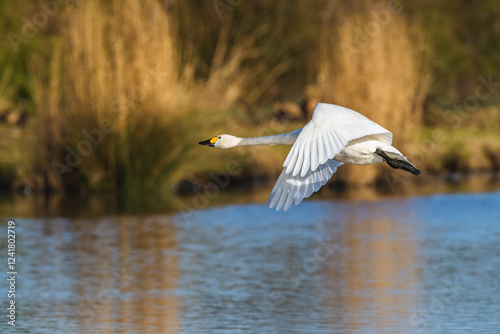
point(213, 140)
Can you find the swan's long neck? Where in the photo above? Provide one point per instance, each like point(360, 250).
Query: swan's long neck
point(281, 139)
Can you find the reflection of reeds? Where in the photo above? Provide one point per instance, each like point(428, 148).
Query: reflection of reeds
point(117, 63)
point(369, 60)
point(381, 259)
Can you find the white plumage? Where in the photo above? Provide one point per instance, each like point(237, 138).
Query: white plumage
point(327, 133)
point(293, 189)
point(335, 135)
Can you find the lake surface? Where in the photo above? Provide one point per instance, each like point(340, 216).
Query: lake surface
point(422, 264)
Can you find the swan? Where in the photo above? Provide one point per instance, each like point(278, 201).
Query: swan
point(334, 136)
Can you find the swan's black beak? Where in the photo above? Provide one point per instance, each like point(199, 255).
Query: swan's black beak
point(207, 142)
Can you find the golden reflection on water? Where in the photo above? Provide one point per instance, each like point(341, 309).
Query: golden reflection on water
point(379, 271)
point(159, 274)
point(125, 272)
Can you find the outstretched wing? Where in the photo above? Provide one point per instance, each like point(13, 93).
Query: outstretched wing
point(293, 189)
point(309, 161)
point(327, 133)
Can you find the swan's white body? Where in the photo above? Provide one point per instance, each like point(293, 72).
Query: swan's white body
point(335, 135)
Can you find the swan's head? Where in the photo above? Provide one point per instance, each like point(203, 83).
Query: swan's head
point(222, 141)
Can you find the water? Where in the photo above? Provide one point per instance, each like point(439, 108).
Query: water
point(425, 264)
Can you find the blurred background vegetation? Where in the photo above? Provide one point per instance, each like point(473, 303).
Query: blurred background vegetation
point(114, 95)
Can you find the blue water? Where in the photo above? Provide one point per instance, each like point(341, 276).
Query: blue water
point(414, 265)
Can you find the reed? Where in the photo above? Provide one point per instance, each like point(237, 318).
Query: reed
point(115, 74)
point(370, 60)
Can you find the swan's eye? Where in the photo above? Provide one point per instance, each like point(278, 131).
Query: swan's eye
point(219, 137)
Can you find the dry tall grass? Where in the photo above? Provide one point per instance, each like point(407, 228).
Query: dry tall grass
point(6, 90)
point(116, 66)
point(370, 60)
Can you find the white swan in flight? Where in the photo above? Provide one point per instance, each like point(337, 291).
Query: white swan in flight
point(335, 135)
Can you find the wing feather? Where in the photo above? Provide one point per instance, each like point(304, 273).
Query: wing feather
point(335, 124)
point(314, 154)
point(328, 142)
point(283, 196)
point(293, 189)
point(309, 164)
point(322, 150)
point(299, 162)
point(306, 162)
